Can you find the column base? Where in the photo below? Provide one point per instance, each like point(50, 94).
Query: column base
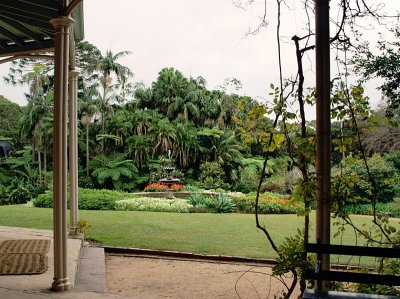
point(60, 285)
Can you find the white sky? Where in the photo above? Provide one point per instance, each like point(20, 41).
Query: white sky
point(198, 37)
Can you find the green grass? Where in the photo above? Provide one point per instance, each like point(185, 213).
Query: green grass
point(227, 234)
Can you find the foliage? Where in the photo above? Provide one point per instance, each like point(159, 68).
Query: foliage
point(85, 182)
point(212, 176)
point(153, 205)
point(394, 158)
point(89, 199)
point(292, 256)
point(112, 169)
point(19, 195)
point(390, 209)
point(196, 200)
point(385, 66)
point(83, 226)
point(276, 184)
point(9, 114)
point(360, 187)
point(249, 174)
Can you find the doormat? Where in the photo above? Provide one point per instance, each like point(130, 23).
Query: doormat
point(22, 263)
point(25, 246)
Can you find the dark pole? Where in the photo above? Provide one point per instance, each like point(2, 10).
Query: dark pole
point(322, 48)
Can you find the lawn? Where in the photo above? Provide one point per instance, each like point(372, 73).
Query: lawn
point(207, 233)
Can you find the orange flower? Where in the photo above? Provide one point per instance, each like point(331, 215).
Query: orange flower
point(177, 187)
point(156, 187)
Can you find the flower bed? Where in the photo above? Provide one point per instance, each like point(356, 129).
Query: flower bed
point(177, 187)
point(266, 205)
point(153, 205)
point(154, 187)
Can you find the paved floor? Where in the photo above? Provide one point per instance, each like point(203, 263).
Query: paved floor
point(85, 270)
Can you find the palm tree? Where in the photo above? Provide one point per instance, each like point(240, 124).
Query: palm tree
point(170, 84)
point(163, 133)
point(185, 108)
point(139, 147)
point(120, 125)
point(112, 169)
point(31, 122)
point(142, 121)
point(186, 144)
point(226, 148)
point(88, 107)
point(143, 97)
point(108, 65)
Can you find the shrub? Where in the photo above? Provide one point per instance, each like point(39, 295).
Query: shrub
point(212, 176)
point(89, 199)
point(196, 200)
point(224, 204)
point(153, 205)
point(391, 209)
point(275, 183)
point(268, 204)
point(155, 187)
point(19, 195)
point(85, 182)
point(37, 190)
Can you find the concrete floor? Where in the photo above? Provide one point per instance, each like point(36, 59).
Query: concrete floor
point(85, 270)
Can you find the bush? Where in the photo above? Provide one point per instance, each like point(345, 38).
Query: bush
point(85, 182)
point(212, 176)
point(391, 209)
point(19, 195)
point(153, 205)
point(276, 184)
point(196, 200)
point(268, 204)
point(89, 199)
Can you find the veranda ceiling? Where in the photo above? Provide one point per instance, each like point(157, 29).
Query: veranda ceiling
point(25, 26)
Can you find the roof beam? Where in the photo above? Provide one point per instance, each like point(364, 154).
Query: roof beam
point(31, 11)
point(28, 47)
point(23, 29)
point(26, 19)
point(11, 36)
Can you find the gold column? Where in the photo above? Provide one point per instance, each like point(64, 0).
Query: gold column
point(61, 25)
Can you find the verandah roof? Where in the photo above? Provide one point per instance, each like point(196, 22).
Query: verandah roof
point(25, 26)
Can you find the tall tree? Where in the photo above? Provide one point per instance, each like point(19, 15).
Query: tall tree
point(108, 65)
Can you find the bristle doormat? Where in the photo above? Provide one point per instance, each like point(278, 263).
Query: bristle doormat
point(22, 263)
point(25, 246)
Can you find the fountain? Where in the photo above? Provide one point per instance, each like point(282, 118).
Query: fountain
point(169, 180)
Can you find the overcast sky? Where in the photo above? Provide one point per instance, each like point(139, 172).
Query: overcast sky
point(198, 37)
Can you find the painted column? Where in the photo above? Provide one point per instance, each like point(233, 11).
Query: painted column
point(61, 40)
point(73, 151)
point(323, 126)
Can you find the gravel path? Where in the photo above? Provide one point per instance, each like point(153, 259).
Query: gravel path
point(140, 277)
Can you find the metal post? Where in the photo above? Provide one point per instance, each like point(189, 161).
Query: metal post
point(73, 151)
point(61, 25)
point(322, 49)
